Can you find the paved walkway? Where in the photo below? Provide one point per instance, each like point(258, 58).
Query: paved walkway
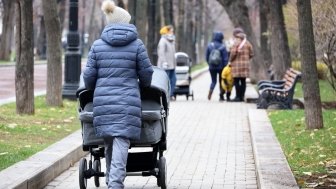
point(209, 146)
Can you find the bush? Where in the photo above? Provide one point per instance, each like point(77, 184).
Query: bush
point(322, 69)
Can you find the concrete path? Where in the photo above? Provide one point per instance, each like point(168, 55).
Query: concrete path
point(209, 146)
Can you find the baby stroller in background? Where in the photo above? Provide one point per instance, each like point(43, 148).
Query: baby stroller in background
point(183, 75)
point(155, 108)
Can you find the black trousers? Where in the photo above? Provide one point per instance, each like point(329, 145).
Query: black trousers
point(240, 86)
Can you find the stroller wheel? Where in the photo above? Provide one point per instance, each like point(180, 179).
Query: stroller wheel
point(96, 168)
point(82, 170)
point(162, 179)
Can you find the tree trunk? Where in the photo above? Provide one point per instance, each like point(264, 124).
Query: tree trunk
point(238, 13)
point(61, 12)
point(131, 6)
point(199, 31)
point(54, 63)
point(168, 12)
point(264, 33)
point(141, 23)
point(120, 3)
point(180, 39)
point(7, 30)
point(311, 91)
point(24, 71)
point(93, 24)
point(190, 31)
point(279, 42)
point(154, 25)
point(41, 47)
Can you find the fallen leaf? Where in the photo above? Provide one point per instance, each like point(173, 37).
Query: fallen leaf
point(12, 125)
point(307, 173)
point(3, 153)
point(323, 176)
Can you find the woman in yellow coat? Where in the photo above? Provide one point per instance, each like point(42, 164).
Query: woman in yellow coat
point(227, 81)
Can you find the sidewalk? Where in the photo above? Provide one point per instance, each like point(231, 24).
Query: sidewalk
point(210, 145)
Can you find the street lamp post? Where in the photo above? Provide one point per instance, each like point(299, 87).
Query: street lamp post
point(72, 68)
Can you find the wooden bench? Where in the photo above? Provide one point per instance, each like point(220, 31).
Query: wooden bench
point(280, 92)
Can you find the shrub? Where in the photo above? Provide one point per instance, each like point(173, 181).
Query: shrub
point(322, 69)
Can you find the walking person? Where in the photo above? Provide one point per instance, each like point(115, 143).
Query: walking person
point(166, 55)
point(217, 59)
point(117, 66)
point(240, 55)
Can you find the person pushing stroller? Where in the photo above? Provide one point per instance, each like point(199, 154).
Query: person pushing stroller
point(117, 66)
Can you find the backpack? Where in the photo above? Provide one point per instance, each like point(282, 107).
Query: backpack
point(215, 57)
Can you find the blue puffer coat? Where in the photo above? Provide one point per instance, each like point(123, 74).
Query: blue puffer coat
point(115, 63)
point(217, 42)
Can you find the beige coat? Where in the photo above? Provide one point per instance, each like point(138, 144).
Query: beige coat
point(166, 53)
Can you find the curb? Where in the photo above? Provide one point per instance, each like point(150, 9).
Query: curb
point(272, 167)
point(41, 168)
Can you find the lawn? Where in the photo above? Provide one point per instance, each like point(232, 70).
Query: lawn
point(311, 154)
point(23, 136)
point(326, 91)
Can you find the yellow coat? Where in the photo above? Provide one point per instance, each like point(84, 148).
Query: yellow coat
point(227, 75)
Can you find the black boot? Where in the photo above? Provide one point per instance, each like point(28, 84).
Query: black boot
point(228, 94)
point(209, 94)
point(221, 96)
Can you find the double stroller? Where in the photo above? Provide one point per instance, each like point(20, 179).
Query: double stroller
point(155, 108)
point(183, 75)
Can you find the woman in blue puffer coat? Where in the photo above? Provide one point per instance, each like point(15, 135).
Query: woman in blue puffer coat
point(117, 64)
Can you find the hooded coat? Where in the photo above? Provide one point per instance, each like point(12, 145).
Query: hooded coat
point(166, 52)
point(117, 64)
point(217, 42)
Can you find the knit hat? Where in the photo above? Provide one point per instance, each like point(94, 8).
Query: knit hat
point(115, 14)
point(237, 30)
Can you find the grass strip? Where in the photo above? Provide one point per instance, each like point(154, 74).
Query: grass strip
point(21, 136)
point(308, 152)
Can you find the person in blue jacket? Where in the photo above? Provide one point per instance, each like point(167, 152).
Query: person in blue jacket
point(117, 66)
point(215, 69)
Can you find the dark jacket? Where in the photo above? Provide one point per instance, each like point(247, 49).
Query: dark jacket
point(115, 63)
point(217, 42)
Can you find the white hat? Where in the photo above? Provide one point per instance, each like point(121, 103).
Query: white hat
point(115, 14)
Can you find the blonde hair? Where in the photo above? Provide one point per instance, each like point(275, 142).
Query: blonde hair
point(166, 29)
